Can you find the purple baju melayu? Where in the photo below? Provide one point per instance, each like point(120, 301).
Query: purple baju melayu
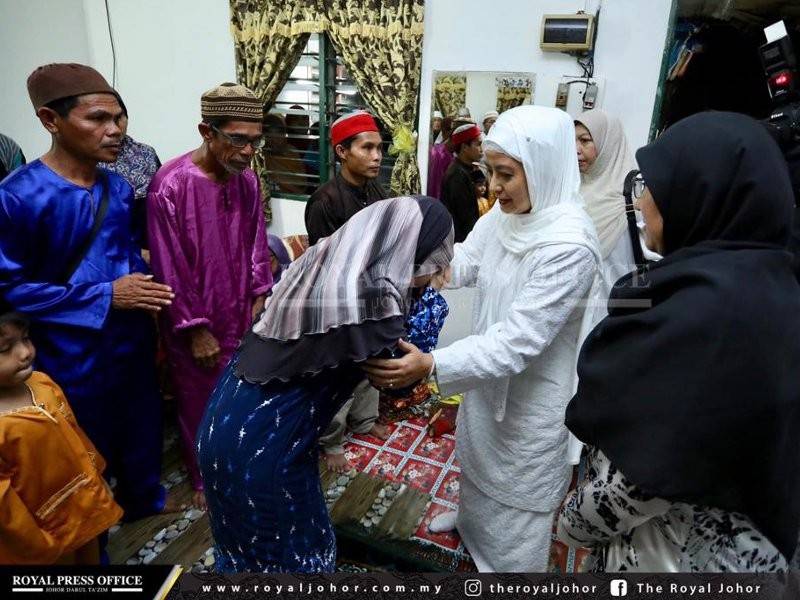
point(440, 159)
point(208, 241)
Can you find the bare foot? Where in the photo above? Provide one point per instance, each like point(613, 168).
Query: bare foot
point(171, 505)
point(382, 432)
point(337, 463)
point(199, 500)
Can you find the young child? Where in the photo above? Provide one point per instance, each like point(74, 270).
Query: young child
point(54, 502)
point(428, 313)
point(481, 187)
point(423, 326)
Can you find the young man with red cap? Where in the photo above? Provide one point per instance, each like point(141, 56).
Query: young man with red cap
point(458, 191)
point(69, 262)
point(358, 145)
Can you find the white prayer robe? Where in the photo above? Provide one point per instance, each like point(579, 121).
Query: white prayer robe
point(518, 372)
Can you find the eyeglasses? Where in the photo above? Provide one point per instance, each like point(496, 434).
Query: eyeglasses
point(638, 186)
point(241, 141)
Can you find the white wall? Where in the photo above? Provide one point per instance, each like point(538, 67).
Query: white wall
point(481, 94)
point(168, 54)
point(33, 33)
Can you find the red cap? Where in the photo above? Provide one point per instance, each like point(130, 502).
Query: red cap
point(352, 124)
point(465, 133)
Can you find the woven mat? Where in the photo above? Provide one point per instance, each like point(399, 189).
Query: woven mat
point(413, 458)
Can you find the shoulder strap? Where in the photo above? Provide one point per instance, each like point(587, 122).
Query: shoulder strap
point(99, 217)
point(630, 213)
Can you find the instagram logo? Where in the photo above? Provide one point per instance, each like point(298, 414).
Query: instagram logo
point(472, 588)
point(619, 587)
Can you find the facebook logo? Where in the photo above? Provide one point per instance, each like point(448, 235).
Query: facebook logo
point(619, 587)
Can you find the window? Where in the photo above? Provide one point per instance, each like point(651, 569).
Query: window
point(298, 153)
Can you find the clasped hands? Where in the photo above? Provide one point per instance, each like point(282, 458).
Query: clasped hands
point(399, 372)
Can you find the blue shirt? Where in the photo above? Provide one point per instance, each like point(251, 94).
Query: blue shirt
point(81, 341)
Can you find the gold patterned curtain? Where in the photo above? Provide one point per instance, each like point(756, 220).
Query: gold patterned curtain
point(513, 91)
point(450, 93)
point(268, 44)
point(380, 42)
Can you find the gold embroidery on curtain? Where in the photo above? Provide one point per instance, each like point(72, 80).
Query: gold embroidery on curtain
point(513, 91)
point(450, 93)
point(380, 42)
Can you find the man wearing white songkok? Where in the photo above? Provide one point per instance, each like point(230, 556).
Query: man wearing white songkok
point(489, 119)
point(534, 259)
point(436, 127)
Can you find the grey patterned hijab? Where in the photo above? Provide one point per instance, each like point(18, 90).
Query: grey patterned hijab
point(348, 296)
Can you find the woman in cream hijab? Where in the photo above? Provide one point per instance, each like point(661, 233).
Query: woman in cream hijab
point(604, 160)
point(533, 259)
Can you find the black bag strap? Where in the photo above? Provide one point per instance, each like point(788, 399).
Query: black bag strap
point(630, 213)
point(99, 217)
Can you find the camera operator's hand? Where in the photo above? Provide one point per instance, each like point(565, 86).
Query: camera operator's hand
point(139, 292)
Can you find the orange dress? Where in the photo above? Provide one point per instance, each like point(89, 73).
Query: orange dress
point(53, 498)
point(484, 205)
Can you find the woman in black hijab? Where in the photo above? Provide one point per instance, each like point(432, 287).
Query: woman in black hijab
point(689, 390)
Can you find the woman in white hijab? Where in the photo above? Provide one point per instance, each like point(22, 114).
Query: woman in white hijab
point(604, 159)
point(534, 259)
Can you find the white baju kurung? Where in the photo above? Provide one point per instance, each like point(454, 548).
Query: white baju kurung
point(518, 372)
point(533, 272)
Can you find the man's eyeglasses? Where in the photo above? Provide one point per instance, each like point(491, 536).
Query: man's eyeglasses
point(241, 141)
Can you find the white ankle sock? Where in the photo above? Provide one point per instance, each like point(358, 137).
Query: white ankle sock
point(443, 522)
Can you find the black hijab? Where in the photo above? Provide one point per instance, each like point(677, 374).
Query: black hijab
point(691, 385)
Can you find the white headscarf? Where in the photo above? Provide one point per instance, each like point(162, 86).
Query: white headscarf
point(601, 187)
point(543, 140)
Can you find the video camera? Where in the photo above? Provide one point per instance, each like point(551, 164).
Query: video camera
point(783, 80)
point(780, 67)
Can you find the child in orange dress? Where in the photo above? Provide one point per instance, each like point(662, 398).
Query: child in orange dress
point(54, 502)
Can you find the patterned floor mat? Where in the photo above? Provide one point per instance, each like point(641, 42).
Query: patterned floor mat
point(412, 457)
